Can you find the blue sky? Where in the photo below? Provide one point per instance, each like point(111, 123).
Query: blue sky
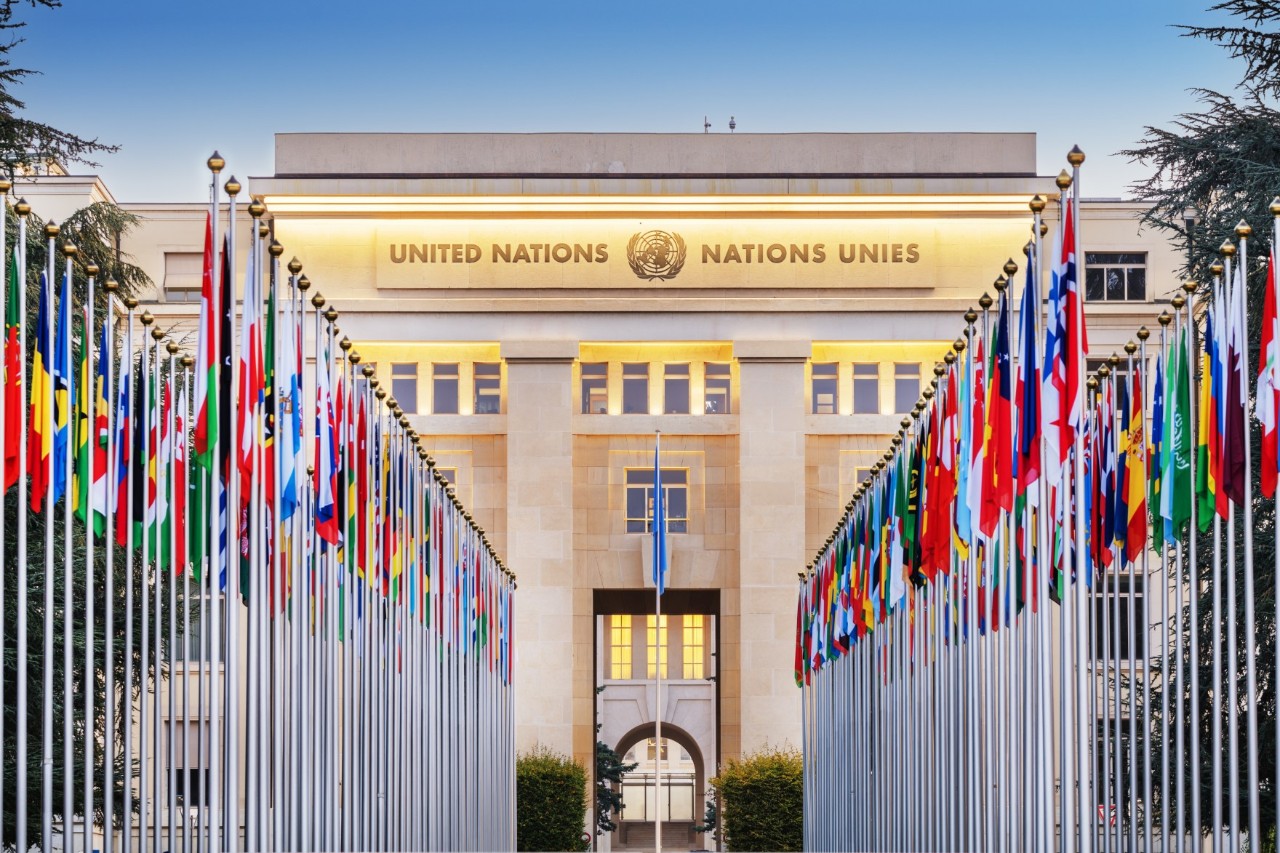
point(170, 80)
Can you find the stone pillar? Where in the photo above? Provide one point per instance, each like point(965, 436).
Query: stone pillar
point(540, 537)
point(772, 507)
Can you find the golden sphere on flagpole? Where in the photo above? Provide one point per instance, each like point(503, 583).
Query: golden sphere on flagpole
point(938, 369)
point(1178, 301)
point(171, 347)
point(354, 358)
point(303, 282)
point(331, 315)
point(1104, 371)
point(391, 404)
point(317, 300)
point(1075, 156)
point(69, 249)
point(22, 208)
point(1216, 270)
point(950, 357)
point(232, 186)
point(1000, 283)
point(1164, 319)
point(1028, 249)
point(1244, 230)
point(256, 207)
point(1189, 287)
point(345, 344)
point(295, 266)
point(263, 229)
point(984, 302)
point(373, 383)
point(147, 319)
point(51, 229)
point(971, 316)
point(215, 162)
point(5, 186)
point(960, 344)
point(1037, 204)
point(158, 334)
point(1092, 382)
point(91, 269)
point(1115, 359)
point(1275, 206)
point(1227, 249)
point(1143, 333)
point(380, 393)
point(111, 285)
point(1130, 347)
point(1063, 180)
point(1010, 267)
point(187, 362)
point(367, 372)
point(927, 393)
point(130, 302)
point(275, 248)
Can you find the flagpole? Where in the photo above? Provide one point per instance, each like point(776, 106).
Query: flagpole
point(126, 837)
point(659, 542)
point(109, 582)
point(89, 383)
point(157, 373)
point(181, 550)
point(1216, 586)
point(211, 576)
point(1275, 253)
point(231, 616)
point(277, 576)
point(51, 231)
point(1233, 704)
point(69, 250)
point(20, 830)
point(5, 186)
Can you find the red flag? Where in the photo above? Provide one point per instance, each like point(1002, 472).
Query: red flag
point(998, 466)
point(1268, 392)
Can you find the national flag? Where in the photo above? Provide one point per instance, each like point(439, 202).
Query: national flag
point(40, 440)
point(1178, 439)
point(1075, 342)
point(162, 463)
point(1267, 397)
point(978, 431)
point(327, 521)
point(80, 459)
point(1157, 496)
point(178, 511)
point(997, 492)
point(206, 372)
point(659, 528)
point(1054, 369)
point(13, 381)
point(1028, 391)
point(63, 391)
point(1135, 476)
point(124, 438)
point(1234, 434)
point(1205, 480)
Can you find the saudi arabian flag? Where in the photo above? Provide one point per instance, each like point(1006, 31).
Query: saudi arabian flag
point(1180, 417)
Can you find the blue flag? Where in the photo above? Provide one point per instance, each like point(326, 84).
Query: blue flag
point(64, 396)
point(659, 528)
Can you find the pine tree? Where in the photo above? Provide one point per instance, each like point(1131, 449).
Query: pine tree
point(1212, 168)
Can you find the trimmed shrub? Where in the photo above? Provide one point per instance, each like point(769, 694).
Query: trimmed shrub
point(551, 801)
point(763, 797)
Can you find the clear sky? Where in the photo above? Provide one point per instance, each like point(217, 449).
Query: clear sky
point(171, 80)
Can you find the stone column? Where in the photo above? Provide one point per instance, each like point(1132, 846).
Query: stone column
point(772, 477)
point(540, 537)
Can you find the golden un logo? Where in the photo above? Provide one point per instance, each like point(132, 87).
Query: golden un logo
point(656, 255)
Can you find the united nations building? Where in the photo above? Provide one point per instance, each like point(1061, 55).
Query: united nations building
point(545, 306)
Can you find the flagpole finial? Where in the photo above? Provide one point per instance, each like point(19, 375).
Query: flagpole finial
point(1063, 180)
point(171, 347)
point(1164, 319)
point(1044, 228)
point(1244, 230)
point(1000, 283)
point(1216, 269)
point(960, 344)
point(1092, 381)
point(111, 285)
point(950, 357)
point(5, 186)
point(345, 344)
point(1075, 156)
point(51, 229)
point(157, 334)
point(70, 250)
point(1130, 348)
point(275, 248)
point(187, 362)
point(130, 302)
point(354, 358)
point(318, 300)
point(393, 405)
point(1189, 287)
point(984, 302)
point(896, 440)
point(1010, 267)
point(215, 162)
point(971, 316)
point(1037, 204)
point(295, 266)
point(1029, 248)
point(263, 228)
point(1227, 249)
point(927, 393)
point(22, 208)
point(331, 315)
point(91, 269)
point(1143, 333)
point(311, 470)
point(367, 372)
point(303, 281)
point(1115, 359)
point(232, 187)
point(938, 369)
point(147, 319)
point(1178, 301)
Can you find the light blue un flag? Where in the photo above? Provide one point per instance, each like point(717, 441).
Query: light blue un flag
point(659, 527)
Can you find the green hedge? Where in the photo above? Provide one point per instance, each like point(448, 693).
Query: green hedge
point(763, 801)
point(551, 801)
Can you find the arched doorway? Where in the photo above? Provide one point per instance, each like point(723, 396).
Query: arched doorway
point(680, 805)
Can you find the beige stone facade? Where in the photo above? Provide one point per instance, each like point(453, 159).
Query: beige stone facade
point(449, 253)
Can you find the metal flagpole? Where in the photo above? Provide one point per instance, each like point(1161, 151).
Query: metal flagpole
point(1244, 231)
point(1275, 243)
point(1188, 419)
point(180, 560)
point(1164, 321)
point(127, 701)
point(46, 783)
point(144, 626)
point(278, 546)
point(1233, 704)
point(109, 582)
point(659, 541)
point(89, 383)
point(68, 617)
point(5, 186)
point(171, 388)
point(158, 661)
point(211, 579)
point(1216, 590)
point(20, 830)
point(231, 615)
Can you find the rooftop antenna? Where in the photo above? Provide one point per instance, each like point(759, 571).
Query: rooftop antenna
point(706, 125)
point(732, 124)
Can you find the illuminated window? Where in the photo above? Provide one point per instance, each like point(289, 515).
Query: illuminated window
point(595, 388)
point(404, 386)
point(619, 646)
point(488, 388)
point(656, 643)
point(444, 389)
point(866, 389)
point(675, 495)
point(693, 644)
point(1115, 276)
point(906, 386)
point(825, 388)
point(676, 389)
point(635, 389)
point(717, 389)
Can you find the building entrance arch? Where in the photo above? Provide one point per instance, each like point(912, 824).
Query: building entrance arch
point(684, 781)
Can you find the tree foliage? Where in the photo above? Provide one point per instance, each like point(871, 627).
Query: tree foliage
point(551, 801)
point(763, 796)
point(1210, 169)
point(610, 768)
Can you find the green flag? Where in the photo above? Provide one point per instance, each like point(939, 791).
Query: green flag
point(1180, 437)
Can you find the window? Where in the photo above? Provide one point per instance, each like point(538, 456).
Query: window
point(693, 646)
point(906, 386)
point(619, 646)
point(183, 274)
point(635, 389)
point(450, 475)
point(595, 388)
point(825, 388)
point(675, 491)
point(404, 387)
point(1115, 276)
point(1104, 613)
point(861, 474)
point(866, 389)
point(675, 390)
point(444, 388)
point(717, 389)
point(488, 388)
point(656, 643)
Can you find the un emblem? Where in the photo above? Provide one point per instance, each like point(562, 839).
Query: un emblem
point(655, 255)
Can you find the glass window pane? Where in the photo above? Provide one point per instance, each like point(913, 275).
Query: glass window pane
point(1103, 258)
point(906, 386)
point(1115, 283)
point(1138, 284)
point(676, 389)
point(1094, 287)
point(404, 386)
point(635, 389)
point(488, 388)
point(866, 389)
point(825, 389)
point(717, 389)
point(595, 388)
